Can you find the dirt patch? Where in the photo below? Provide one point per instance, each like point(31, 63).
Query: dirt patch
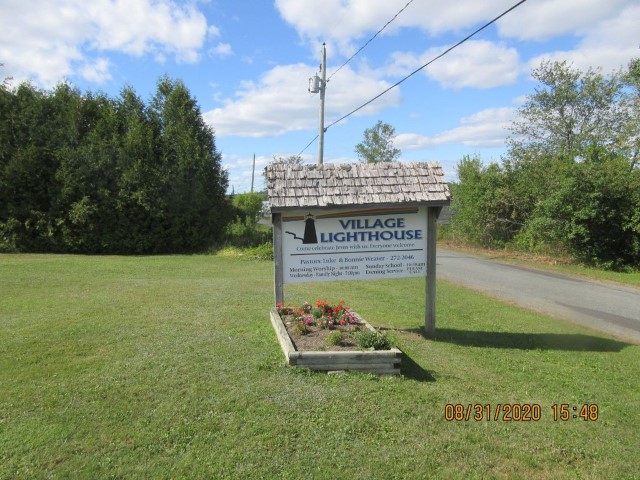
point(317, 338)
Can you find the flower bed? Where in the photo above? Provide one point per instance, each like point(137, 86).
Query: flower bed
point(332, 337)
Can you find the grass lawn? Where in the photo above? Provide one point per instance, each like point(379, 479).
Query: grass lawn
point(168, 367)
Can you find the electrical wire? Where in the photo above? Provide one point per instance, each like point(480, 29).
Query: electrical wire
point(427, 64)
point(309, 144)
point(371, 39)
point(491, 22)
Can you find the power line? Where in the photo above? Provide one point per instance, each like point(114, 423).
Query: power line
point(428, 63)
point(371, 39)
point(491, 22)
point(309, 144)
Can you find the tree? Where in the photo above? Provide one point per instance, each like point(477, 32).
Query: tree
point(377, 145)
point(569, 183)
point(91, 174)
point(194, 182)
point(628, 140)
point(593, 213)
point(248, 206)
point(6, 82)
point(482, 213)
point(37, 131)
point(569, 112)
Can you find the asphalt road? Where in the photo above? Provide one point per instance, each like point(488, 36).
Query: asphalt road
point(600, 306)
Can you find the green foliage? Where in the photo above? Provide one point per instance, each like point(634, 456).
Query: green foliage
point(594, 213)
point(377, 145)
point(628, 139)
point(91, 174)
point(248, 205)
point(301, 328)
point(246, 234)
point(336, 337)
point(570, 182)
point(261, 252)
point(481, 213)
point(570, 111)
point(376, 340)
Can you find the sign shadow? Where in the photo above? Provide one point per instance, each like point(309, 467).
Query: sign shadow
point(412, 370)
point(526, 341)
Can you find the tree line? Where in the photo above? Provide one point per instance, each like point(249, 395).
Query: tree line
point(570, 181)
point(86, 173)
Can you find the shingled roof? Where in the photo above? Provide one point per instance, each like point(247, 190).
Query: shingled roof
point(306, 186)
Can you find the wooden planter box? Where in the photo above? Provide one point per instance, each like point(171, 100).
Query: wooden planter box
point(385, 362)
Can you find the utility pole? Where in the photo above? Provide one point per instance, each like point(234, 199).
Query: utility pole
point(323, 87)
point(253, 172)
point(319, 84)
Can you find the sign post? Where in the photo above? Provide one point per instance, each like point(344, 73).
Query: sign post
point(430, 281)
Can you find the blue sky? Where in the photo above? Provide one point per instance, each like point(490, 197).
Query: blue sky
point(248, 63)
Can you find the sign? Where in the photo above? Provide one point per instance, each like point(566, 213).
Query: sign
point(333, 245)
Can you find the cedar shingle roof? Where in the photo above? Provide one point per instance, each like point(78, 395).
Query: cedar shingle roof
point(304, 186)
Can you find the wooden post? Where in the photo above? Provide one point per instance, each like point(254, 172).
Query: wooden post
point(276, 220)
point(430, 283)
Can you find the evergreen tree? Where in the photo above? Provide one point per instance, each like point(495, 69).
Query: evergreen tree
point(194, 182)
point(91, 174)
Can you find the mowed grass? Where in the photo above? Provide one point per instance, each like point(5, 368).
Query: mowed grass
point(168, 367)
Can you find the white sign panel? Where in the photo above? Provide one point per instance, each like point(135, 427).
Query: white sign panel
point(354, 245)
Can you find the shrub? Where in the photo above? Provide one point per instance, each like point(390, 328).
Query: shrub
point(376, 340)
point(335, 338)
point(246, 233)
point(301, 328)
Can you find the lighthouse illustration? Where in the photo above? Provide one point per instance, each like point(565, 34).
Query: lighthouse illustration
point(310, 235)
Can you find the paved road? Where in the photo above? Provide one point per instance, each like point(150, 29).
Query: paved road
point(602, 306)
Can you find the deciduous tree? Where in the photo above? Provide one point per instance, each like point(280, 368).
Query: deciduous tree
point(377, 145)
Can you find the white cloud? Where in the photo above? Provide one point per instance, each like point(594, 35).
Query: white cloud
point(610, 44)
point(50, 40)
point(544, 19)
point(279, 102)
point(343, 22)
point(221, 50)
point(96, 72)
point(487, 128)
point(477, 64)
point(141, 26)
point(606, 32)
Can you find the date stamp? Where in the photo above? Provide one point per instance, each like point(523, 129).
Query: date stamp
point(518, 412)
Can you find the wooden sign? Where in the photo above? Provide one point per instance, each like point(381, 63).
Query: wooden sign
point(354, 244)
